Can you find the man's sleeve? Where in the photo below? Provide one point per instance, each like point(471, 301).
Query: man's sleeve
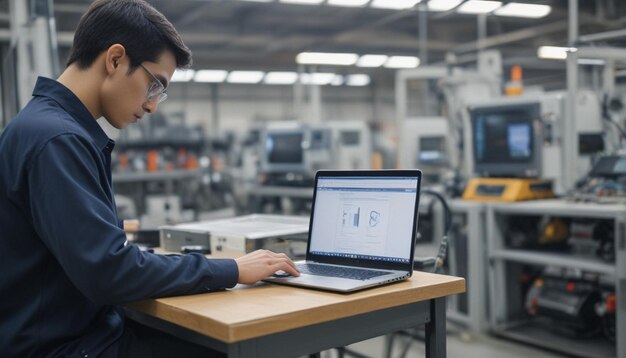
point(73, 215)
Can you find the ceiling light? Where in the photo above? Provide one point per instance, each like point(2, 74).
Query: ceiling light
point(245, 77)
point(215, 76)
point(371, 60)
point(320, 78)
point(337, 81)
point(349, 3)
point(533, 11)
point(591, 61)
point(554, 52)
point(322, 58)
point(303, 2)
point(358, 80)
point(182, 75)
point(280, 78)
point(478, 7)
point(443, 5)
point(394, 4)
point(402, 62)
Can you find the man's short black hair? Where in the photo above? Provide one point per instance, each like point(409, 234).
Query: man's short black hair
point(143, 31)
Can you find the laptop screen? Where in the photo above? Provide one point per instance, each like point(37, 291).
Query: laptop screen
point(365, 218)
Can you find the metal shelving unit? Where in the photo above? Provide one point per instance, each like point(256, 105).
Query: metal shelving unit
point(132, 177)
point(507, 318)
point(565, 260)
point(536, 334)
point(467, 257)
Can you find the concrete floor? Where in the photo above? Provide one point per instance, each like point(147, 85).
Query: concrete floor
point(460, 344)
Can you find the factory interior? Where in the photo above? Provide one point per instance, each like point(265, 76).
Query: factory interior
point(513, 111)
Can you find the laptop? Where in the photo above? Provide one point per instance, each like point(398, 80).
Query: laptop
point(362, 230)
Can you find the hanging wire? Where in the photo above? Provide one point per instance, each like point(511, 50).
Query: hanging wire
point(443, 246)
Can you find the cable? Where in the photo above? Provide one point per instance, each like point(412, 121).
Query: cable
point(610, 105)
point(619, 128)
point(443, 247)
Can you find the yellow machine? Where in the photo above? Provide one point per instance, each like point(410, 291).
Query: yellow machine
point(507, 189)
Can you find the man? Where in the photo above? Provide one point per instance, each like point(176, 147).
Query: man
point(66, 266)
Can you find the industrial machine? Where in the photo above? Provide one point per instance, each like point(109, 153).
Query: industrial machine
point(589, 238)
point(282, 147)
point(606, 182)
point(429, 95)
point(292, 152)
point(578, 306)
point(237, 236)
point(520, 142)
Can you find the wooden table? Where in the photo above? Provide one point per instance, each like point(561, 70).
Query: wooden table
point(267, 320)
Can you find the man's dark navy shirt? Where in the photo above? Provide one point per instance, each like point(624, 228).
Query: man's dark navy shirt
point(64, 261)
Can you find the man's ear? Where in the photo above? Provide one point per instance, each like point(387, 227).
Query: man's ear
point(115, 55)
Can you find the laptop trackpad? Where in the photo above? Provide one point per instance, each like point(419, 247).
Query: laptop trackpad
point(304, 278)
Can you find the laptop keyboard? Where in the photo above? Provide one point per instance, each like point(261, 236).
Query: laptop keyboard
point(342, 272)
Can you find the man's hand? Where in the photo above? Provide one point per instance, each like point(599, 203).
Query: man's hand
point(259, 264)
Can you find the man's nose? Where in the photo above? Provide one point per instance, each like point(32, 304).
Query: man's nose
point(150, 106)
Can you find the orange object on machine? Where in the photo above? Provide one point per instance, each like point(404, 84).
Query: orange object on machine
point(611, 304)
point(377, 160)
point(516, 73)
point(123, 160)
point(153, 160)
point(191, 163)
point(515, 86)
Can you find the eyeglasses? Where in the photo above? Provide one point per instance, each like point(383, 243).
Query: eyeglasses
point(156, 91)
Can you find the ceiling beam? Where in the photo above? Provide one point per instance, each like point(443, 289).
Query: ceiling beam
point(513, 36)
point(191, 16)
point(347, 34)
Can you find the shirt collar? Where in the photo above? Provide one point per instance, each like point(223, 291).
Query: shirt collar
point(46, 87)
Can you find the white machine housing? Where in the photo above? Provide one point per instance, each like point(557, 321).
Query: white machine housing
point(237, 236)
point(426, 145)
point(351, 143)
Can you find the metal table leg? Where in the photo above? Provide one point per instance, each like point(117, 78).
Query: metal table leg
point(436, 329)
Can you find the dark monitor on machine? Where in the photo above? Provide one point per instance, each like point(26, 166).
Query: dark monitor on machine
point(350, 138)
point(609, 167)
point(283, 151)
point(432, 150)
point(284, 148)
point(505, 140)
